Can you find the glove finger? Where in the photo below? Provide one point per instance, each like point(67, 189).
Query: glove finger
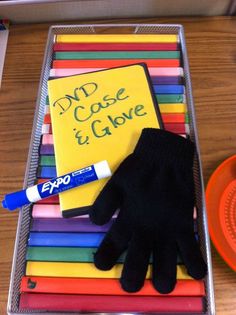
point(110, 198)
point(106, 204)
point(136, 263)
point(164, 265)
point(191, 254)
point(113, 245)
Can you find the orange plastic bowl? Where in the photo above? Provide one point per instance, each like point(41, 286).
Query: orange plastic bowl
point(221, 210)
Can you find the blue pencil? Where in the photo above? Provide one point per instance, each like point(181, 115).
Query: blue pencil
point(65, 239)
point(169, 89)
point(47, 172)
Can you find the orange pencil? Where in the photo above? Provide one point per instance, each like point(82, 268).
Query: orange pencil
point(103, 287)
point(173, 118)
point(58, 64)
point(47, 119)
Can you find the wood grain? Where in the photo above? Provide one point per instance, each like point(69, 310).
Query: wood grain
point(211, 44)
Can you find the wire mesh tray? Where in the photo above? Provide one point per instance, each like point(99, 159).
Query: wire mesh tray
point(18, 266)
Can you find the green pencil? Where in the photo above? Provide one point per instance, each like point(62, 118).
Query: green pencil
point(47, 160)
point(117, 55)
point(170, 98)
point(68, 254)
point(75, 254)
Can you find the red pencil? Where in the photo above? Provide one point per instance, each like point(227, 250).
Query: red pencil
point(109, 63)
point(176, 128)
point(111, 303)
point(172, 122)
point(115, 46)
point(51, 200)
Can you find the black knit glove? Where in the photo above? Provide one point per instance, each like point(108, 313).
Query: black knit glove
point(154, 190)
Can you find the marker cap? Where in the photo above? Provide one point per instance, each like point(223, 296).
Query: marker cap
point(15, 200)
point(102, 169)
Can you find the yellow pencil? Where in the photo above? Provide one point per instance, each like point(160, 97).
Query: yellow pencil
point(83, 270)
point(173, 108)
point(118, 38)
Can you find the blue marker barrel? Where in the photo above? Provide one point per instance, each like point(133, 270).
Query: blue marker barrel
point(56, 185)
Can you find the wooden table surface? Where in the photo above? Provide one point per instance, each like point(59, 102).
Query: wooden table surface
point(211, 44)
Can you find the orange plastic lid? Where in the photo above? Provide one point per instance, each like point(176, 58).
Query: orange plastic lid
point(221, 210)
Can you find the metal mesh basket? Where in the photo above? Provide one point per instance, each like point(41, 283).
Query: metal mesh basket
point(18, 267)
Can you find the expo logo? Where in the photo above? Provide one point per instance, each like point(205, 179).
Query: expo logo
point(65, 180)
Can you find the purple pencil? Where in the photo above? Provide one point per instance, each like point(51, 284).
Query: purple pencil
point(67, 225)
point(166, 80)
point(46, 149)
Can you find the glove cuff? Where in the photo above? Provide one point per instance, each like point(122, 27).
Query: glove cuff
point(156, 144)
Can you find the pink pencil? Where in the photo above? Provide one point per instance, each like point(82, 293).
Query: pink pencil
point(47, 139)
point(49, 211)
point(52, 212)
point(170, 71)
point(46, 128)
point(46, 211)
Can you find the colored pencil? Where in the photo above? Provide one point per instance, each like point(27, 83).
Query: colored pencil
point(117, 38)
point(170, 118)
point(83, 270)
point(47, 108)
point(173, 108)
point(46, 171)
point(115, 46)
point(170, 98)
point(108, 63)
point(47, 117)
point(104, 287)
point(47, 139)
point(176, 128)
point(169, 89)
point(63, 254)
point(72, 254)
point(68, 239)
point(68, 254)
point(67, 225)
point(79, 224)
point(159, 80)
point(166, 79)
point(46, 211)
point(163, 71)
point(65, 239)
point(46, 149)
point(50, 210)
point(46, 128)
point(110, 304)
point(47, 160)
point(88, 55)
point(51, 200)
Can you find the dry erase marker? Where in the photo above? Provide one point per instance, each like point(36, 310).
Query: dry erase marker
point(56, 185)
